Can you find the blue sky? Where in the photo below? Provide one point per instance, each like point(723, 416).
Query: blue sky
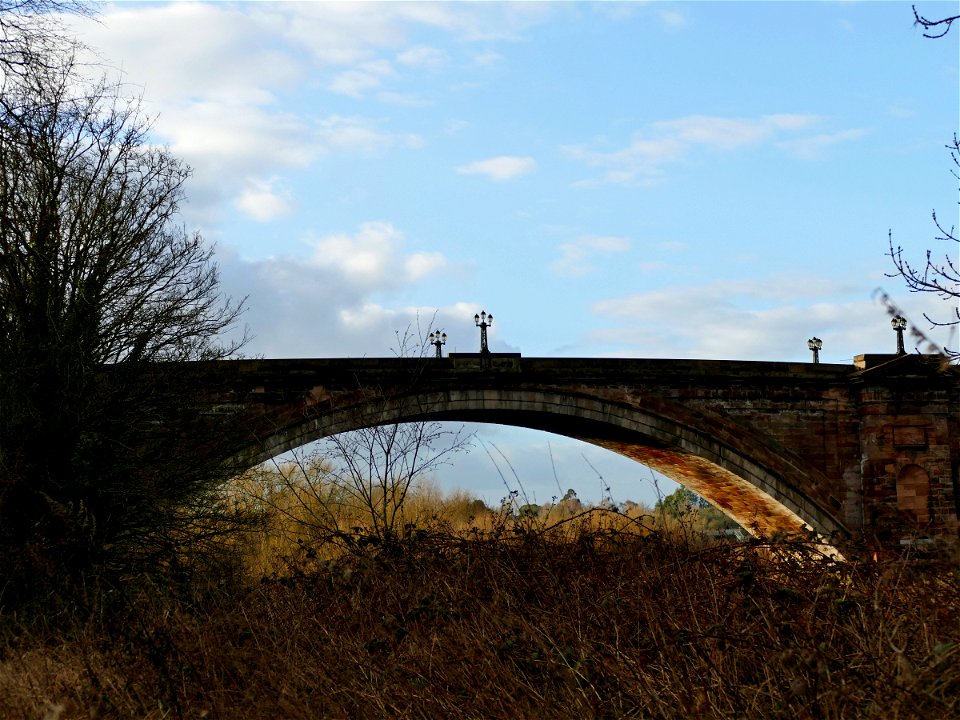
point(699, 179)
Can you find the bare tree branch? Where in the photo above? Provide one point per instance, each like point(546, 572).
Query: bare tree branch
point(936, 274)
point(365, 476)
point(32, 33)
point(939, 28)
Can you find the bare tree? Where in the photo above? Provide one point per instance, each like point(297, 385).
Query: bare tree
point(937, 274)
point(362, 478)
point(373, 469)
point(89, 243)
point(32, 33)
point(97, 281)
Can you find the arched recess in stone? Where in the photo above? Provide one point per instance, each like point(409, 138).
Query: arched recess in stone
point(756, 481)
point(913, 494)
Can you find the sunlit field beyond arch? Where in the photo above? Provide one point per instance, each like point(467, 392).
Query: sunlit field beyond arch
point(544, 465)
point(539, 465)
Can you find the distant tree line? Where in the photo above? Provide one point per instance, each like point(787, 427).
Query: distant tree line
point(684, 504)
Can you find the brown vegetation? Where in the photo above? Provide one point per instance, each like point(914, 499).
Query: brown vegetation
point(521, 620)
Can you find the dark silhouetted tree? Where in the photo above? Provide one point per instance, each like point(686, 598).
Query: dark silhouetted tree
point(102, 459)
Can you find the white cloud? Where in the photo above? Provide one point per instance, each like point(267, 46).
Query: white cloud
point(402, 99)
point(369, 317)
point(365, 258)
point(672, 18)
point(501, 168)
point(476, 22)
point(901, 112)
point(762, 319)
point(230, 147)
point(487, 59)
point(670, 141)
point(238, 135)
point(349, 33)
point(356, 134)
point(342, 300)
point(262, 201)
point(455, 127)
point(811, 148)
point(171, 52)
point(422, 56)
point(792, 122)
point(372, 258)
point(218, 77)
point(361, 79)
point(640, 158)
point(421, 265)
point(575, 257)
point(728, 133)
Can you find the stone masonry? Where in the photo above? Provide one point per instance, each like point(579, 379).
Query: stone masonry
point(869, 451)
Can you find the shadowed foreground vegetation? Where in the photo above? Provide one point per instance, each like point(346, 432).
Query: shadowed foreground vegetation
point(135, 583)
point(582, 620)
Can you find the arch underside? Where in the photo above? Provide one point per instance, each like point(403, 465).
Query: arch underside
point(764, 497)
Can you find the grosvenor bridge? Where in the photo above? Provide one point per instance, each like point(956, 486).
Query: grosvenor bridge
point(866, 451)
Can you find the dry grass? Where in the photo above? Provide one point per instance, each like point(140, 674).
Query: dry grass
point(575, 622)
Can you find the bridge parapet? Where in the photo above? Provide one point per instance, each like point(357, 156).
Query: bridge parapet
point(485, 362)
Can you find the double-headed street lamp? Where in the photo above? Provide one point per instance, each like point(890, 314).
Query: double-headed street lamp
point(438, 340)
point(483, 321)
point(815, 344)
point(898, 323)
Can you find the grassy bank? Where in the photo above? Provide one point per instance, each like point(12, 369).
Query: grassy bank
point(574, 622)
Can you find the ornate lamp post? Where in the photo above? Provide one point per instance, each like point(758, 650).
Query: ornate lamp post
point(815, 344)
point(483, 321)
point(898, 323)
point(438, 340)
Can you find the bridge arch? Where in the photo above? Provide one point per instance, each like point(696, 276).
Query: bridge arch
point(752, 478)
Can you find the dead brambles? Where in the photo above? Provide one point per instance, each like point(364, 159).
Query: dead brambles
point(573, 621)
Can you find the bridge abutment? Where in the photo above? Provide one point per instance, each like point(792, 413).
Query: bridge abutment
point(908, 407)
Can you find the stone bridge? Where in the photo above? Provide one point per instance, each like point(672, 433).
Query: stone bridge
point(868, 451)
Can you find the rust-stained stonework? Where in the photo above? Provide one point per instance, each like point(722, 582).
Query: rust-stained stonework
point(870, 450)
